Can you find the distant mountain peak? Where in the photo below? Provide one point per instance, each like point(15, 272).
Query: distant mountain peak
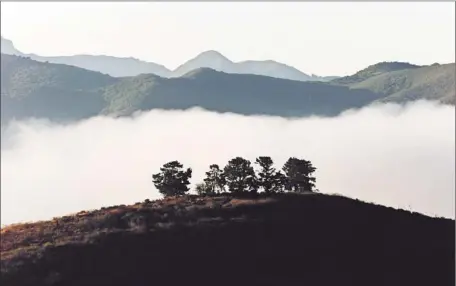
point(7, 47)
point(200, 72)
point(6, 40)
point(208, 59)
point(212, 55)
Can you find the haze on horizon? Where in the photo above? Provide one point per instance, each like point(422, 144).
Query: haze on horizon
point(317, 38)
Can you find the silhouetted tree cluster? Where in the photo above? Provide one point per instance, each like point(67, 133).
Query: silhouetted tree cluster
point(239, 176)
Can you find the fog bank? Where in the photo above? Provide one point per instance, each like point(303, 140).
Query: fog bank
point(391, 155)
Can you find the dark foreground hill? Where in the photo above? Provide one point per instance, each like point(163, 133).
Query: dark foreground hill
point(283, 240)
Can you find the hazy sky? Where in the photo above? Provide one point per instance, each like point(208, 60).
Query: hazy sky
point(320, 38)
point(380, 156)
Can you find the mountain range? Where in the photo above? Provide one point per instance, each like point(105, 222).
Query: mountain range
point(77, 87)
point(31, 88)
point(122, 67)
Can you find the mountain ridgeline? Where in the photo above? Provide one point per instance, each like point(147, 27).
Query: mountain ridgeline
point(374, 70)
point(121, 67)
point(61, 92)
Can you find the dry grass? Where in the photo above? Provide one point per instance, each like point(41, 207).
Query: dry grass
point(121, 245)
point(77, 227)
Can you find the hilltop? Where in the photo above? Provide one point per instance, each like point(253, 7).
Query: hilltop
point(374, 70)
point(436, 82)
point(286, 239)
point(403, 82)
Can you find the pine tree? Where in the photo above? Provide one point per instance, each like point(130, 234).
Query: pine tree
point(215, 180)
point(299, 175)
point(240, 176)
point(269, 179)
point(172, 180)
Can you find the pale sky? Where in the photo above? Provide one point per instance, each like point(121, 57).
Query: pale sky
point(319, 38)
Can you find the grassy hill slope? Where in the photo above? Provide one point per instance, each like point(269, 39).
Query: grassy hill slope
point(282, 240)
point(403, 82)
point(432, 83)
point(374, 70)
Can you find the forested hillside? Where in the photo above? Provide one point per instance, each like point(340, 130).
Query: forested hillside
point(61, 92)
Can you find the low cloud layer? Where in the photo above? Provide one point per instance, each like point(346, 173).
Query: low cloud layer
point(391, 155)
